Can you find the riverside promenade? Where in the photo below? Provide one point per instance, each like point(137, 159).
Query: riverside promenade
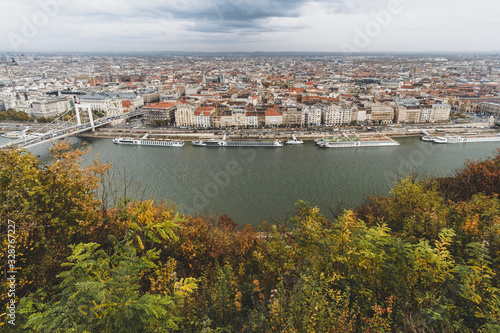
point(280, 134)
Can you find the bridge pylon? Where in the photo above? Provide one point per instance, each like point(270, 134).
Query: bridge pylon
point(77, 111)
point(91, 118)
point(78, 117)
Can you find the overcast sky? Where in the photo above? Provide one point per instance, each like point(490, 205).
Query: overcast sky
point(250, 25)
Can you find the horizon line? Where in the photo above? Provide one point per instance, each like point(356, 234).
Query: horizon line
point(492, 52)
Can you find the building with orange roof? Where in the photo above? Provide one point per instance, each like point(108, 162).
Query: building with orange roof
point(161, 111)
point(127, 106)
point(273, 118)
point(298, 90)
point(204, 117)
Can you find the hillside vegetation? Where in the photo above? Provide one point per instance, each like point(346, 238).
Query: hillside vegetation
point(424, 259)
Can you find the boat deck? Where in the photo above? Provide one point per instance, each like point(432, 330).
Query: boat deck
point(376, 138)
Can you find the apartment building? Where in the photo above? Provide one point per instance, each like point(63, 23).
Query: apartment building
point(49, 107)
point(273, 118)
point(204, 117)
point(160, 111)
point(381, 114)
point(184, 115)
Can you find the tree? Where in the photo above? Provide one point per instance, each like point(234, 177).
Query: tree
point(53, 206)
point(106, 290)
point(415, 210)
point(476, 177)
point(102, 293)
point(479, 298)
point(12, 114)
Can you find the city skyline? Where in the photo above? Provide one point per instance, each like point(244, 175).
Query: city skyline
point(250, 26)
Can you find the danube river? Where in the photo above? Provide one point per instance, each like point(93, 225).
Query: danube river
point(256, 184)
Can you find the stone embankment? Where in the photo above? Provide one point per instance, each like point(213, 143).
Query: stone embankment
point(281, 134)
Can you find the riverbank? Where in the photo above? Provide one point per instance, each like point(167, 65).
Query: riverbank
point(272, 134)
point(267, 134)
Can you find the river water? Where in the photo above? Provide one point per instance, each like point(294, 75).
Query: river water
point(256, 184)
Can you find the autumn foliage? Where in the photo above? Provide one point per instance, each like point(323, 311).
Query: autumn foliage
point(424, 259)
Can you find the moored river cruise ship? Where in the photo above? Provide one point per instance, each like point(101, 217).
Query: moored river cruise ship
point(150, 142)
point(237, 143)
point(471, 138)
point(352, 142)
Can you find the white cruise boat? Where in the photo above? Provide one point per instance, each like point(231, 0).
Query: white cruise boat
point(448, 139)
point(14, 135)
point(466, 138)
point(150, 142)
point(358, 144)
point(210, 143)
point(294, 141)
point(237, 143)
point(345, 142)
point(427, 138)
point(17, 135)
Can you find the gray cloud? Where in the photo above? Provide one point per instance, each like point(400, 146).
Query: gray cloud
point(218, 16)
point(241, 10)
point(205, 16)
point(270, 25)
point(225, 16)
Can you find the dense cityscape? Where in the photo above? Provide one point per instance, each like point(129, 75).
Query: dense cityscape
point(227, 91)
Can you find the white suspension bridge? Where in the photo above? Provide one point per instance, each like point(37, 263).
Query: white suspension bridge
point(60, 129)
